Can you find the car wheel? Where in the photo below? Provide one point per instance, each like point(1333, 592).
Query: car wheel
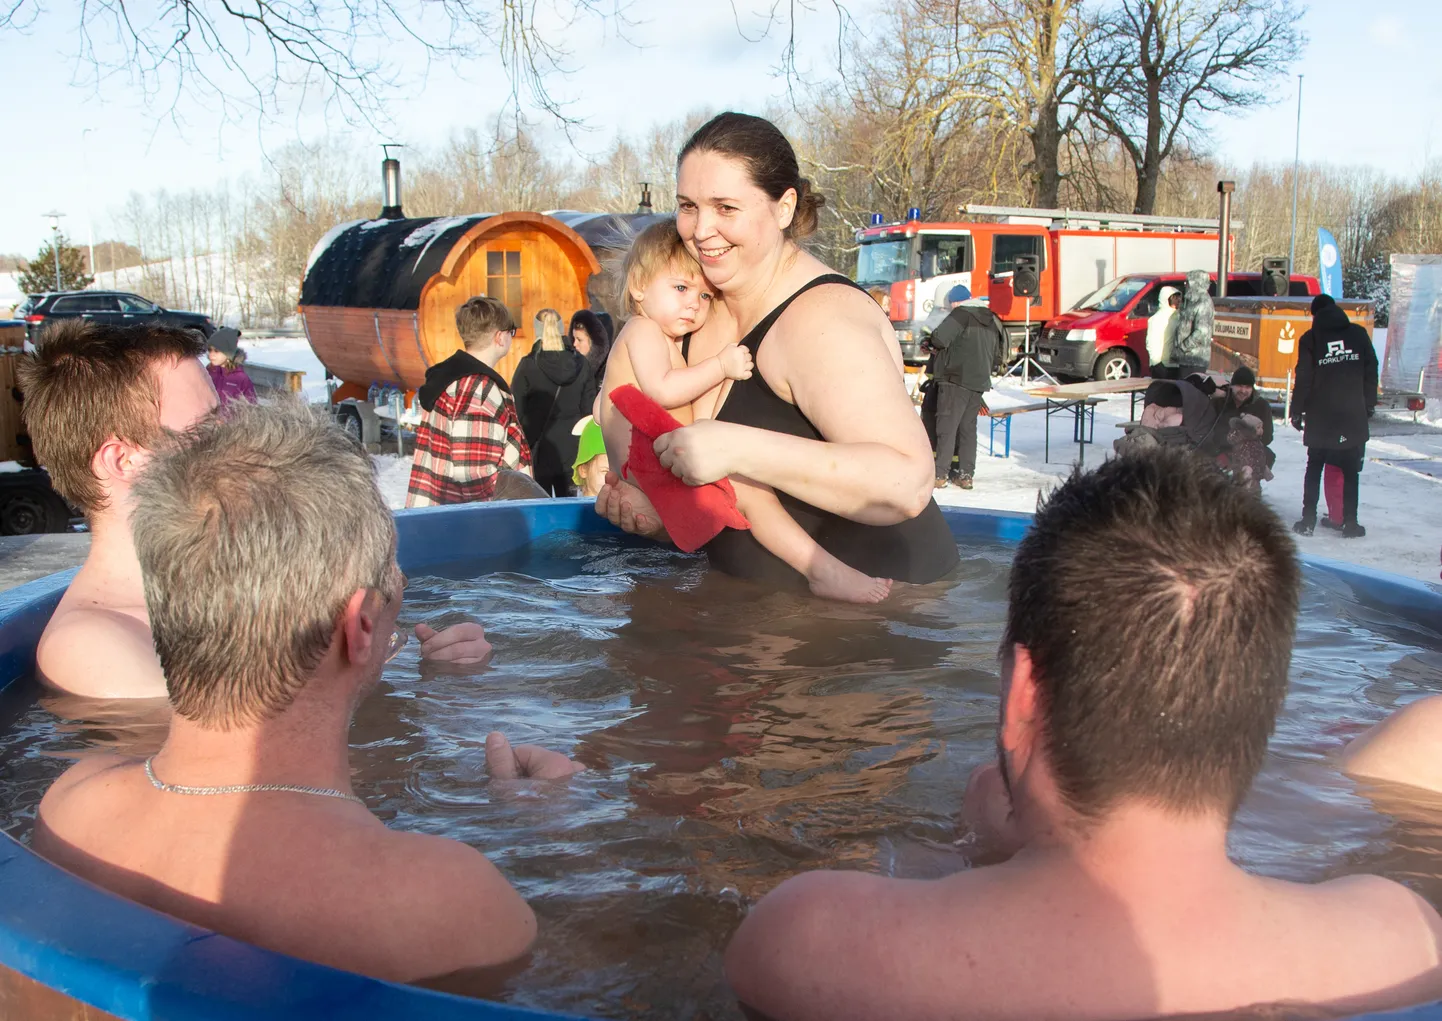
point(348, 418)
point(1115, 365)
point(31, 512)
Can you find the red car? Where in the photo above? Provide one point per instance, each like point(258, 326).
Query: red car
point(1105, 335)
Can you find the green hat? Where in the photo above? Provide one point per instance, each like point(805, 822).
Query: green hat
point(592, 445)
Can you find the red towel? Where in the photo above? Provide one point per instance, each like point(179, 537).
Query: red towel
point(693, 515)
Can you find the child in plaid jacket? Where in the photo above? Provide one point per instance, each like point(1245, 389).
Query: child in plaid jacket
point(470, 430)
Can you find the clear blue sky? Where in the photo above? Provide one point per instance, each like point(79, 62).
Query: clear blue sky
point(1372, 81)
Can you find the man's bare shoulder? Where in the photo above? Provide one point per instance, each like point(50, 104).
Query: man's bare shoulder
point(68, 810)
point(100, 653)
point(447, 906)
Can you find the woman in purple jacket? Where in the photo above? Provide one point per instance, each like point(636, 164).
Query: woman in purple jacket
point(226, 359)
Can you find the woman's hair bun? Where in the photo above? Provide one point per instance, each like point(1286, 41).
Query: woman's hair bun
point(808, 210)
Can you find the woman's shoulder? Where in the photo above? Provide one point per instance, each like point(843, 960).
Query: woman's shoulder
point(836, 306)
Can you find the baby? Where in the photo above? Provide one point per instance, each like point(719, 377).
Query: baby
point(665, 296)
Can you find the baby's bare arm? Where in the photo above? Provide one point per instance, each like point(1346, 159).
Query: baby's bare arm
point(660, 372)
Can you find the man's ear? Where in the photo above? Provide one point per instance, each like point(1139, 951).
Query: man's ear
point(118, 462)
point(1020, 717)
point(358, 624)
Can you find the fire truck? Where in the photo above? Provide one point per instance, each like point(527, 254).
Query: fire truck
point(917, 269)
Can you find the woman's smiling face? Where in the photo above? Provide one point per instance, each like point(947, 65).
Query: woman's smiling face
point(726, 221)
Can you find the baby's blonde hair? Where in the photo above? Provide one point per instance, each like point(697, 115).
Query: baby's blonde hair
point(656, 249)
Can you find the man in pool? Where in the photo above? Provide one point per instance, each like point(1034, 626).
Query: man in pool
point(273, 596)
point(97, 400)
point(1141, 679)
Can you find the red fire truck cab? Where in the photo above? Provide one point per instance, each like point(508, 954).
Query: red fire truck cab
point(915, 268)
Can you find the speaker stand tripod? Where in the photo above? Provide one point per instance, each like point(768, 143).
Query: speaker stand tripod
point(1027, 363)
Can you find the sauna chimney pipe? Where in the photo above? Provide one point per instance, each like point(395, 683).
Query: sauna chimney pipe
point(644, 206)
point(1224, 238)
point(391, 183)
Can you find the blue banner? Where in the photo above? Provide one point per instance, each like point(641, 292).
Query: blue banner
point(1329, 258)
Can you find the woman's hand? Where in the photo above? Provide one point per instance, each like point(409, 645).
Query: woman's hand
point(627, 508)
point(705, 451)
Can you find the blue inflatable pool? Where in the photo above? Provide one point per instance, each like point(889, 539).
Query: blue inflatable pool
point(63, 941)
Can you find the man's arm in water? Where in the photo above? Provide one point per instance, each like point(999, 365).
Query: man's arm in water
point(100, 654)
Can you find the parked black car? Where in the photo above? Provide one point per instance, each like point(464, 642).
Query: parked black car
point(119, 308)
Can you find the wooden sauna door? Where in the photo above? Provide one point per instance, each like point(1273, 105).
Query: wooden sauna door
point(535, 272)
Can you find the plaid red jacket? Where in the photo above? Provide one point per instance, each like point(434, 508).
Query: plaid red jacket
point(471, 433)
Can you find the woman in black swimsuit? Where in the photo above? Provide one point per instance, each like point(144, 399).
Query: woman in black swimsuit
point(826, 420)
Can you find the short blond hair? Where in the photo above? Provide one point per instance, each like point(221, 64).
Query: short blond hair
point(252, 536)
point(481, 318)
point(656, 249)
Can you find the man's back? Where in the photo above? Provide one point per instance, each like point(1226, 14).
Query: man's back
point(318, 878)
point(1046, 935)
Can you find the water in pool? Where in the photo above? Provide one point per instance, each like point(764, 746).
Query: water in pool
point(736, 737)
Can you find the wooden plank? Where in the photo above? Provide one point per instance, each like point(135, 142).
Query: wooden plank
point(273, 377)
point(22, 997)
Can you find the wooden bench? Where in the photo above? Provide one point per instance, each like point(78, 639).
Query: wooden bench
point(1004, 415)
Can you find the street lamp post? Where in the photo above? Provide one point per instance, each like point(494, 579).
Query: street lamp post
point(54, 218)
point(1296, 163)
point(89, 219)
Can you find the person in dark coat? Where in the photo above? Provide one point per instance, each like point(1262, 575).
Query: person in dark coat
point(1247, 426)
point(590, 339)
point(554, 388)
point(1334, 395)
point(967, 343)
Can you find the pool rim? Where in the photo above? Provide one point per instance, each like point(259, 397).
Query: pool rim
point(140, 965)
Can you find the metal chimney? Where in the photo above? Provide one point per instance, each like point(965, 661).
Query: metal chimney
point(391, 183)
point(1224, 238)
point(644, 206)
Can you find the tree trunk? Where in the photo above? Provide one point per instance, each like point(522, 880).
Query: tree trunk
point(1046, 158)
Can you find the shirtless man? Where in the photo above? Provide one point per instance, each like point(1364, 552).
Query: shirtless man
point(1141, 678)
point(1403, 748)
point(273, 594)
point(97, 400)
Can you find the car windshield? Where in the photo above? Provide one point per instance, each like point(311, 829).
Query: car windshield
point(1112, 296)
point(883, 262)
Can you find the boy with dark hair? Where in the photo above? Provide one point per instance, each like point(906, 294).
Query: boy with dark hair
point(1141, 678)
point(471, 430)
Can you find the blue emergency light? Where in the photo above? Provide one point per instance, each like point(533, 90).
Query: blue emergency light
point(877, 219)
point(913, 213)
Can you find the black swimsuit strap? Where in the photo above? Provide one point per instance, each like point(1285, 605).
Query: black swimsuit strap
point(752, 340)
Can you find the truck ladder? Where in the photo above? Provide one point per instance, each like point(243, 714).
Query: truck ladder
point(1063, 218)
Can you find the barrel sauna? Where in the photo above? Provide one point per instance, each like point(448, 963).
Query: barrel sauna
point(380, 296)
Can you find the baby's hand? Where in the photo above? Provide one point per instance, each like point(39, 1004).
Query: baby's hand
point(735, 361)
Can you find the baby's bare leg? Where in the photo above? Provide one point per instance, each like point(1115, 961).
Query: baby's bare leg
point(779, 533)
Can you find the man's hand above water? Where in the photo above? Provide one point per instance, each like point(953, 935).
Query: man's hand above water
point(525, 761)
point(462, 644)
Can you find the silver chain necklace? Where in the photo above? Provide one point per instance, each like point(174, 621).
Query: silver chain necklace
point(245, 788)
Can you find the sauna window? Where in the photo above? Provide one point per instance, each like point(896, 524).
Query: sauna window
point(503, 280)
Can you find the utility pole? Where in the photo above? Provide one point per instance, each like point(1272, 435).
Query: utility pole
point(1296, 161)
point(54, 218)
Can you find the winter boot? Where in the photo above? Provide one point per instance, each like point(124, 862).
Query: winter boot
point(962, 480)
point(1352, 530)
point(940, 484)
point(1326, 522)
point(1307, 525)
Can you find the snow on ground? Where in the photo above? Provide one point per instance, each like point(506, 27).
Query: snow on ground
point(287, 352)
point(393, 472)
point(1401, 509)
